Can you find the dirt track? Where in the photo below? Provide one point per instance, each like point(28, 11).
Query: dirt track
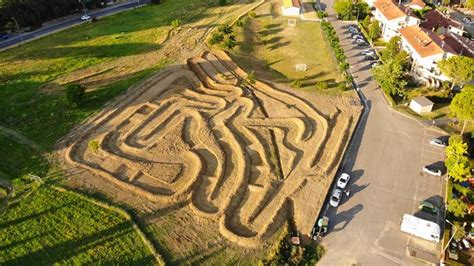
point(249, 157)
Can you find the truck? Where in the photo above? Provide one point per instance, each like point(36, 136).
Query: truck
point(420, 228)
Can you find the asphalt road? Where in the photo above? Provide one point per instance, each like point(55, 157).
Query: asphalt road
point(65, 24)
point(384, 160)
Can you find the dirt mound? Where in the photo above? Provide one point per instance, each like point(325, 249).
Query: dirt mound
point(246, 156)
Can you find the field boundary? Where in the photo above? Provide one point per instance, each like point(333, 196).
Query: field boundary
point(159, 259)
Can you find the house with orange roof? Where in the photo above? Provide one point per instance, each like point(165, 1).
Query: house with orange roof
point(393, 17)
point(426, 49)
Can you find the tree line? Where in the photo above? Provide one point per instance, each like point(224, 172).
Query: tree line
point(32, 13)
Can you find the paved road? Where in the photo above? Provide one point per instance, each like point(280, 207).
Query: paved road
point(385, 161)
point(65, 24)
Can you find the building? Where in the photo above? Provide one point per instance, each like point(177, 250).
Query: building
point(417, 4)
point(421, 105)
point(425, 49)
point(441, 23)
point(393, 17)
point(291, 8)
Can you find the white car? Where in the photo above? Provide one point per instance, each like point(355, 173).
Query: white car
point(85, 17)
point(438, 143)
point(367, 52)
point(432, 170)
point(357, 36)
point(343, 180)
point(374, 64)
point(335, 198)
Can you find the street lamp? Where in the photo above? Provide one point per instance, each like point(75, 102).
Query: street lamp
point(85, 10)
point(449, 241)
point(16, 23)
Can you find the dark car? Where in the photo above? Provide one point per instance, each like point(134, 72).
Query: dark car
point(370, 57)
point(362, 44)
point(4, 37)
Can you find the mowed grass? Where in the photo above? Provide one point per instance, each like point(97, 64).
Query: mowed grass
point(272, 49)
point(51, 227)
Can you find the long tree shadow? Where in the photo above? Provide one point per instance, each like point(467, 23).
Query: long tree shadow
point(70, 248)
point(344, 218)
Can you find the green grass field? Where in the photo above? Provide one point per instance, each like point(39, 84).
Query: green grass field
point(51, 227)
point(271, 48)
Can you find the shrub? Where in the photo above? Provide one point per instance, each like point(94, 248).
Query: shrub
point(251, 78)
point(230, 42)
point(296, 83)
point(322, 85)
point(222, 2)
point(93, 145)
point(322, 14)
point(240, 23)
point(342, 86)
point(216, 37)
point(75, 94)
point(349, 79)
point(94, 19)
point(252, 14)
point(226, 29)
point(175, 23)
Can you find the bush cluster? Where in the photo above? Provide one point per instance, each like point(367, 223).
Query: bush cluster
point(225, 36)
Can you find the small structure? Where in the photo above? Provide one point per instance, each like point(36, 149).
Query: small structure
point(421, 105)
point(301, 67)
point(292, 22)
point(291, 8)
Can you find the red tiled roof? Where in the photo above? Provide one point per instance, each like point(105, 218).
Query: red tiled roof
point(435, 19)
point(388, 9)
point(423, 43)
point(459, 44)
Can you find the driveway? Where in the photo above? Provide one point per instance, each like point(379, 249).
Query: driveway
point(384, 160)
point(43, 31)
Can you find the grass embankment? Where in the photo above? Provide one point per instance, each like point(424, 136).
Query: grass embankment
point(56, 227)
point(49, 226)
point(271, 48)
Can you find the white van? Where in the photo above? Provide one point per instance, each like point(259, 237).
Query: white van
point(420, 228)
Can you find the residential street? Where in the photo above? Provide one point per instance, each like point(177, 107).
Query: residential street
point(385, 160)
point(65, 24)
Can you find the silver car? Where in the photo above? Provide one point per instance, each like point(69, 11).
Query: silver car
point(438, 143)
point(432, 170)
point(335, 198)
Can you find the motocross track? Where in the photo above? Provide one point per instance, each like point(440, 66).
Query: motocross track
point(247, 157)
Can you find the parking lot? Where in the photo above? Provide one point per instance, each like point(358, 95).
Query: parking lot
point(385, 161)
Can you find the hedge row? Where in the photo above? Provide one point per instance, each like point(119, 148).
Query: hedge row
point(333, 41)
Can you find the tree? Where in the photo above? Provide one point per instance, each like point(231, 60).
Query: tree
point(458, 68)
point(391, 77)
point(374, 30)
point(230, 42)
point(75, 94)
point(343, 9)
point(469, 4)
point(458, 165)
point(457, 207)
point(462, 105)
point(366, 23)
point(361, 9)
point(251, 78)
point(391, 50)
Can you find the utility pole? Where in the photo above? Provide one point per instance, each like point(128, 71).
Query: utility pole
point(449, 241)
point(85, 10)
point(18, 28)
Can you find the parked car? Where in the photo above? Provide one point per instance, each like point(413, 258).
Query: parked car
point(85, 17)
point(4, 37)
point(362, 44)
point(368, 52)
point(343, 180)
point(427, 206)
point(438, 143)
point(335, 198)
point(357, 36)
point(370, 57)
point(374, 64)
point(467, 20)
point(429, 169)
